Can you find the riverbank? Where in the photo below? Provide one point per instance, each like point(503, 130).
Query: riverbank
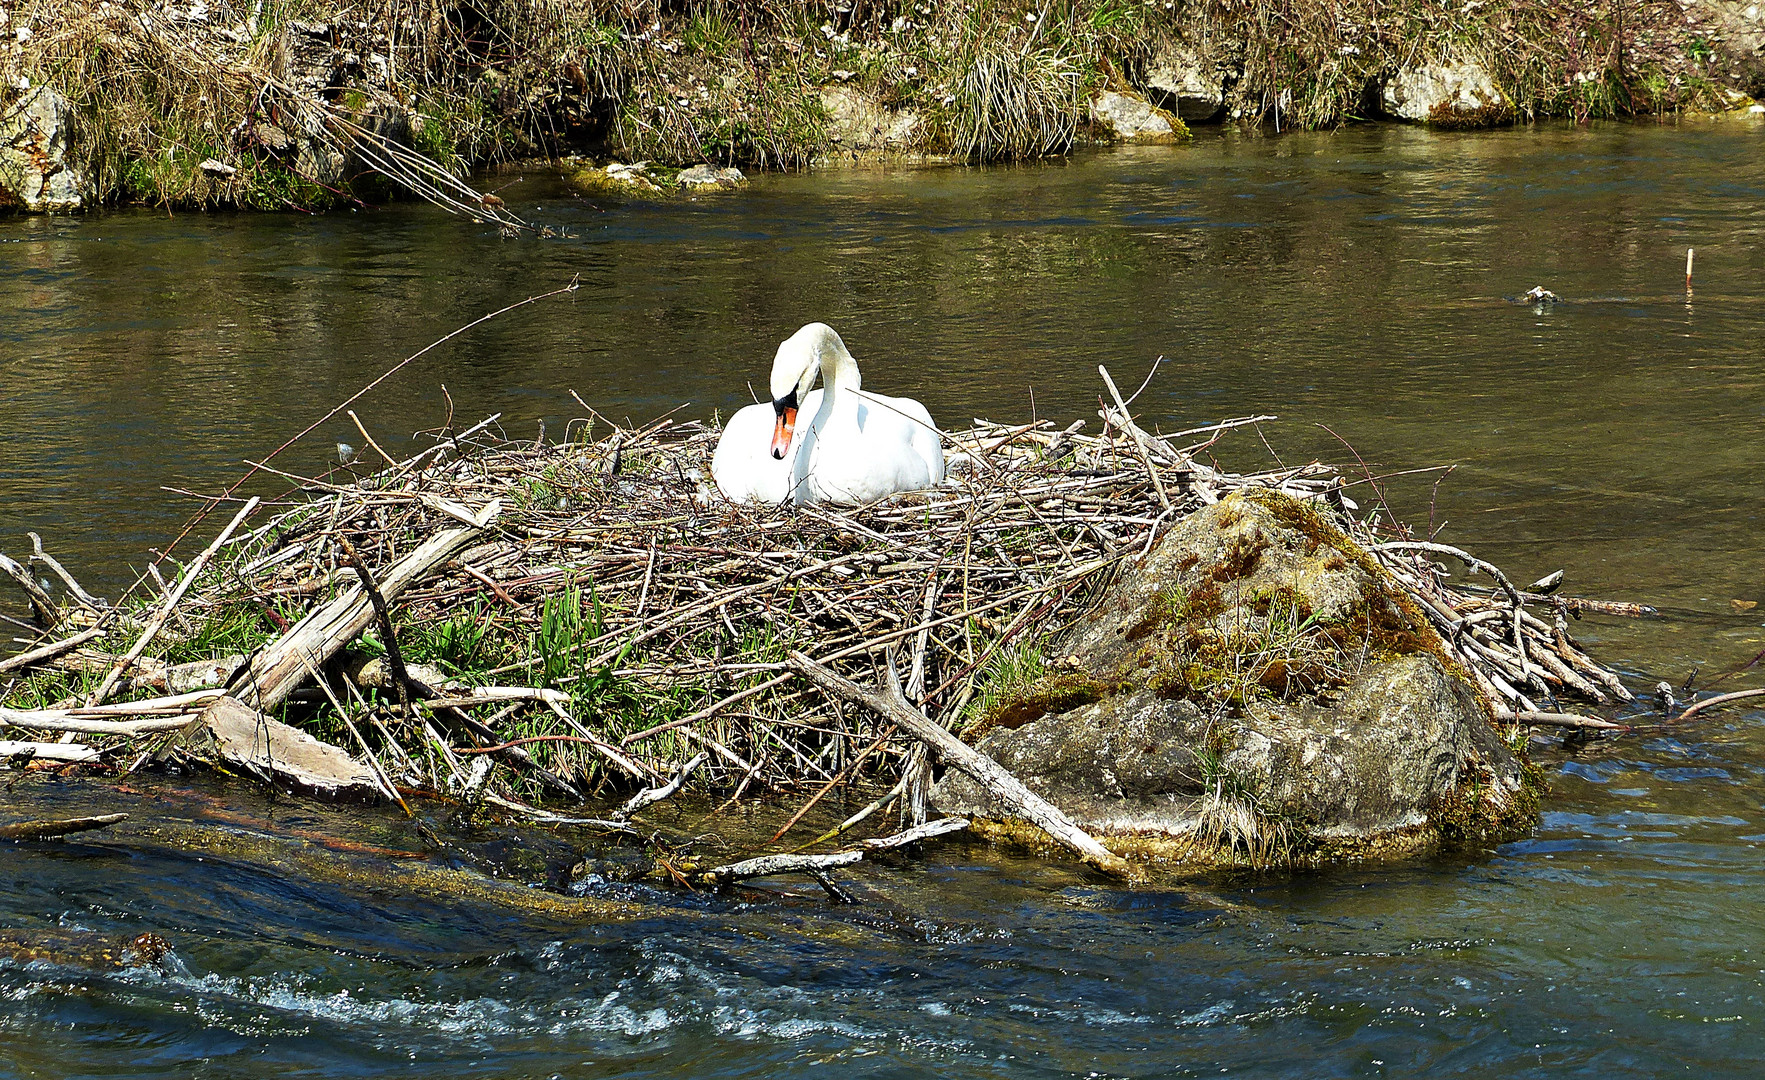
point(311, 104)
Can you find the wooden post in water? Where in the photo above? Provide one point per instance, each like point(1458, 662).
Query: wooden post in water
point(1688, 255)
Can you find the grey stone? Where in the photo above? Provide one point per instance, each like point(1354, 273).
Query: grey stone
point(1455, 94)
point(1131, 118)
point(1179, 80)
point(34, 170)
point(710, 176)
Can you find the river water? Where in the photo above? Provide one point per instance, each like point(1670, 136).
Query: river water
point(1355, 283)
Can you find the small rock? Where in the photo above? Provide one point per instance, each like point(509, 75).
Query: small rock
point(1177, 79)
point(1132, 118)
point(218, 169)
point(857, 122)
point(34, 170)
point(708, 176)
point(1457, 95)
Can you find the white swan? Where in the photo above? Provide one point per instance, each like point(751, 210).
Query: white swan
point(855, 448)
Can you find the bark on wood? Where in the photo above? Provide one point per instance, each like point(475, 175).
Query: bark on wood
point(231, 733)
point(999, 783)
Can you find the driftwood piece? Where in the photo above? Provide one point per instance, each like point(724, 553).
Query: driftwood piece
point(651, 796)
point(768, 865)
point(61, 720)
point(49, 751)
point(45, 830)
point(232, 734)
point(278, 669)
point(1720, 699)
point(1557, 719)
point(1137, 437)
point(49, 651)
point(54, 564)
point(999, 783)
point(41, 602)
point(940, 827)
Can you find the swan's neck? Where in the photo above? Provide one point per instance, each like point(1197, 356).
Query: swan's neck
point(839, 371)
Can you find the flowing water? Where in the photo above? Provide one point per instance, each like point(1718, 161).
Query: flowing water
point(1357, 284)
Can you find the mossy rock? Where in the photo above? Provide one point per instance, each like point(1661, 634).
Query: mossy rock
point(1256, 689)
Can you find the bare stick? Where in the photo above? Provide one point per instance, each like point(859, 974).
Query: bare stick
point(657, 794)
point(41, 602)
point(1719, 699)
point(1136, 438)
point(165, 609)
point(999, 783)
point(940, 827)
point(401, 677)
point(49, 751)
point(67, 579)
point(767, 865)
point(1557, 719)
point(358, 426)
point(49, 651)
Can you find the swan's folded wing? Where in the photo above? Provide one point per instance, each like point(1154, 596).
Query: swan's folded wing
point(743, 465)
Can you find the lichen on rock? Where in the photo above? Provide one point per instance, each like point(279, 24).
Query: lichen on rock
point(35, 170)
point(1258, 691)
point(1131, 118)
point(1450, 95)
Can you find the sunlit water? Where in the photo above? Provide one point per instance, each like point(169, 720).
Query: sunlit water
point(1357, 280)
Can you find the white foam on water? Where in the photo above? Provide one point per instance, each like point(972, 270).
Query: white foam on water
point(1213, 1014)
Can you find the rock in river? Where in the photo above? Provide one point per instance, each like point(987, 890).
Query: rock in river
point(1447, 95)
point(1255, 690)
point(1131, 118)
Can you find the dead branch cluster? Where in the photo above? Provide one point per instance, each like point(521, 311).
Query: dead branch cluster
point(516, 622)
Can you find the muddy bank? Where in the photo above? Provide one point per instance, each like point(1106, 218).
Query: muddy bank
point(314, 103)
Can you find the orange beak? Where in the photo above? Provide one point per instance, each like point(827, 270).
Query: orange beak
point(782, 432)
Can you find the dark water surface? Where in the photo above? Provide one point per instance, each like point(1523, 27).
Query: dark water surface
point(1354, 280)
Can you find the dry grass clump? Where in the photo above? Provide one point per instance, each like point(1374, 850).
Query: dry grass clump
point(152, 100)
point(1312, 63)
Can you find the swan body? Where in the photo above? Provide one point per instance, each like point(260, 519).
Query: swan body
point(852, 446)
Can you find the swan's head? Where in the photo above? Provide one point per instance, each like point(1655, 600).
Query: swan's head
point(794, 369)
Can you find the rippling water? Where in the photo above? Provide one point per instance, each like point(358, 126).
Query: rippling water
point(1355, 280)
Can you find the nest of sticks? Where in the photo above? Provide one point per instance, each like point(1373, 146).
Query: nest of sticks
point(532, 623)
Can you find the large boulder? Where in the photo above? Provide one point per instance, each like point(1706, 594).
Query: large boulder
point(1131, 118)
point(1255, 689)
point(34, 171)
point(1456, 94)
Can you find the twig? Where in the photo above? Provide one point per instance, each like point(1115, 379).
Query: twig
point(184, 582)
